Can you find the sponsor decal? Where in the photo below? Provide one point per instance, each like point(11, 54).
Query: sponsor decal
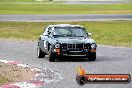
point(82, 78)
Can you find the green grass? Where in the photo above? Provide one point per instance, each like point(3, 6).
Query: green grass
point(118, 33)
point(3, 80)
point(17, 0)
point(28, 1)
point(52, 8)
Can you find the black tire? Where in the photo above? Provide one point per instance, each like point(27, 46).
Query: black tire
point(40, 53)
point(92, 57)
point(81, 80)
point(52, 56)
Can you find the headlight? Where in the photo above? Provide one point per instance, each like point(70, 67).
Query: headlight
point(57, 45)
point(93, 46)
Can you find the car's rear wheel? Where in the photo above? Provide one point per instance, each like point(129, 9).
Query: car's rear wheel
point(92, 56)
point(40, 53)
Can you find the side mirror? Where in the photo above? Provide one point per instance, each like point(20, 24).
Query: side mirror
point(44, 34)
point(89, 34)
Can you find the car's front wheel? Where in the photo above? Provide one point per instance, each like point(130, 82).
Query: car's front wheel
point(40, 53)
point(52, 56)
point(92, 56)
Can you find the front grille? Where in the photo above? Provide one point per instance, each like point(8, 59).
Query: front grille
point(75, 49)
point(74, 46)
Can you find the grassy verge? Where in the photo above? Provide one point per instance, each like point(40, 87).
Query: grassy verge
point(65, 9)
point(3, 80)
point(17, 0)
point(10, 73)
point(118, 33)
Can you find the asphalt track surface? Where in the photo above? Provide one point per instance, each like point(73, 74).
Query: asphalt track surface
point(110, 60)
point(73, 2)
point(68, 17)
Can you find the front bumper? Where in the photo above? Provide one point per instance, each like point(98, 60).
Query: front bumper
point(82, 53)
point(74, 53)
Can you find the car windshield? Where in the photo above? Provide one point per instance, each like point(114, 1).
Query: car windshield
point(69, 31)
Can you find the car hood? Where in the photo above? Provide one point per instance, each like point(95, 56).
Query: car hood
point(74, 40)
